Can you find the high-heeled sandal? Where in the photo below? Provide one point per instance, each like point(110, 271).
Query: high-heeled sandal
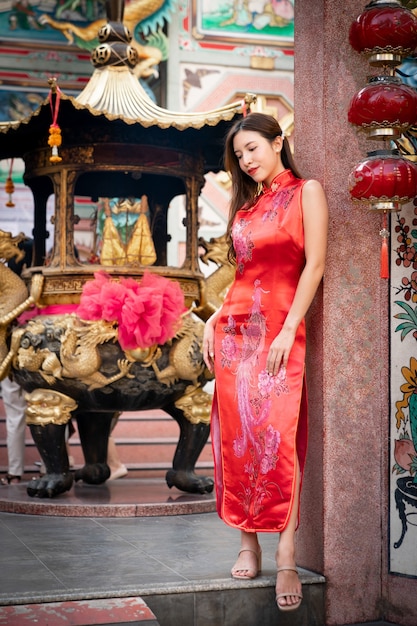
point(288, 607)
point(252, 573)
point(10, 479)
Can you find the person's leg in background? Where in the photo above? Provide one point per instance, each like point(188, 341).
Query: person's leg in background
point(14, 406)
point(117, 468)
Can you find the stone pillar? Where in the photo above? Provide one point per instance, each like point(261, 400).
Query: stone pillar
point(344, 511)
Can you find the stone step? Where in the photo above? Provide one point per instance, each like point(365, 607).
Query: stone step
point(250, 603)
point(194, 603)
point(146, 424)
point(151, 423)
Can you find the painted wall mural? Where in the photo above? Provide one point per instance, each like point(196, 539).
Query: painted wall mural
point(403, 379)
point(31, 52)
point(22, 20)
point(17, 104)
point(249, 28)
point(403, 435)
point(244, 21)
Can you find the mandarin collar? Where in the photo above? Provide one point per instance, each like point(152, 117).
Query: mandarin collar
point(280, 180)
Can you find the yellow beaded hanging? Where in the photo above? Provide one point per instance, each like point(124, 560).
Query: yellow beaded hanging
point(54, 141)
point(55, 138)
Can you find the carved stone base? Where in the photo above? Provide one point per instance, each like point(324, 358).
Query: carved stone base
point(126, 497)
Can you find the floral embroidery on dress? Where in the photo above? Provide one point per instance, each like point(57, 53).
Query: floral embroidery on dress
point(253, 506)
point(271, 439)
point(229, 350)
point(242, 244)
point(281, 200)
point(256, 437)
point(259, 488)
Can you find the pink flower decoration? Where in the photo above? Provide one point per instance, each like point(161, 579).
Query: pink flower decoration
point(141, 317)
point(147, 313)
point(113, 296)
point(90, 307)
point(131, 284)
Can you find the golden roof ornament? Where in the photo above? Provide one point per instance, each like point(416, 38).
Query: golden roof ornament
point(115, 90)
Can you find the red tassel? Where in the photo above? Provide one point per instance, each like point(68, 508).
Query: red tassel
point(384, 248)
point(384, 258)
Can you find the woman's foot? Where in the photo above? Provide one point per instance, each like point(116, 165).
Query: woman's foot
point(288, 588)
point(248, 564)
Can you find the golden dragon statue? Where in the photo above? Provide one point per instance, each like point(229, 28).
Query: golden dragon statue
point(15, 298)
point(78, 356)
point(214, 288)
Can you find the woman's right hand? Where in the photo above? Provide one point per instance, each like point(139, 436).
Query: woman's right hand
point(208, 343)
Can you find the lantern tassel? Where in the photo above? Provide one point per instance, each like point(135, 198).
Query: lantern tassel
point(384, 232)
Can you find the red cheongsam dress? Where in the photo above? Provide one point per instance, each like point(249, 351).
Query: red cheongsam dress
point(259, 422)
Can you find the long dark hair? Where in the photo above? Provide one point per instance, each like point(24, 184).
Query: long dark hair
point(244, 188)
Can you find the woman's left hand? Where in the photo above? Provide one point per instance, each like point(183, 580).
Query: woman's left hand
point(279, 351)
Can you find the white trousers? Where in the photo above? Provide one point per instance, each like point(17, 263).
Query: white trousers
point(14, 405)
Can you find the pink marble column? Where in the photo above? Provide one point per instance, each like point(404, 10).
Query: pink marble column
point(344, 514)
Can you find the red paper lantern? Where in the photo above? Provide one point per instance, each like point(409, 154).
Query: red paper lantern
point(386, 32)
point(384, 181)
point(384, 108)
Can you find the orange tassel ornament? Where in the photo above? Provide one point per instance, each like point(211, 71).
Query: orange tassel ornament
point(9, 186)
point(54, 141)
point(55, 138)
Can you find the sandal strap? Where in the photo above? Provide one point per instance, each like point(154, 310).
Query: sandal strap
point(251, 572)
point(249, 550)
point(285, 568)
point(285, 595)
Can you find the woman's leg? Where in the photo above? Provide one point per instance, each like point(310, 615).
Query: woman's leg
point(288, 582)
point(248, 564)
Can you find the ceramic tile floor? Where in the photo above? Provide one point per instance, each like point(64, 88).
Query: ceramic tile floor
point(43, 558)
point(46, 558)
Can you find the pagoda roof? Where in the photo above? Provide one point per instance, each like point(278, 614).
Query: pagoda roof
point(114, 108)
point(114, 97)
point(117, 93)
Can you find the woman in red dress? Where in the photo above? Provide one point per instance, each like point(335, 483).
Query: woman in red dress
point(256, 344)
